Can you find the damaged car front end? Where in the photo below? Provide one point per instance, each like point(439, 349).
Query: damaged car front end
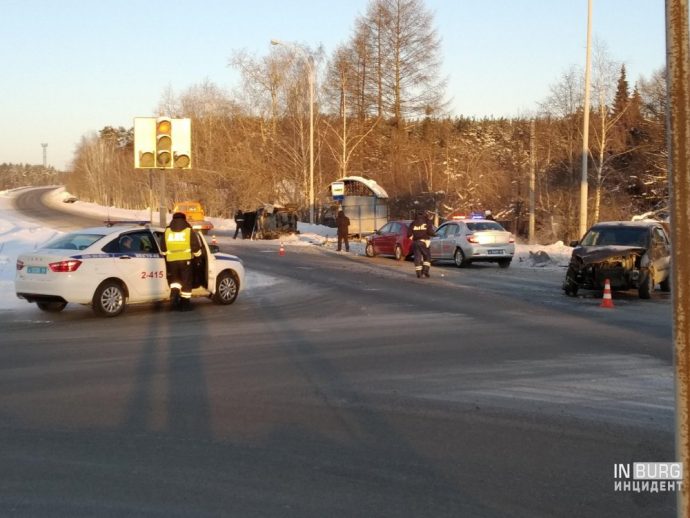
point(624, 267)
point(631, 255)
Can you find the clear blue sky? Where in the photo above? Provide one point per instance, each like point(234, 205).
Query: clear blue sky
point(71, 67)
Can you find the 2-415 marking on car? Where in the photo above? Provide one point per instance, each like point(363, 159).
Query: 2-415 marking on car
point(153, 275)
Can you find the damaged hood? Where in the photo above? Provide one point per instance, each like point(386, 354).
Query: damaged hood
point(595, 254)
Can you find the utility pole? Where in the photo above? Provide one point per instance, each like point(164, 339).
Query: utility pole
point(532, 183)
point(309, 60)
point(45, 155)
point(585, 127)
point(678, 136)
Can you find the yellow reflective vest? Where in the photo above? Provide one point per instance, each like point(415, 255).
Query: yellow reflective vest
point(179, 245)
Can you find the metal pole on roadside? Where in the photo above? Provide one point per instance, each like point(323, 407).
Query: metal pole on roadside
point(163, 209)
point(585, 127)
point(309, 60)
point(151, 196)
point(532, 184)
point(312, 80)
point(678, 141)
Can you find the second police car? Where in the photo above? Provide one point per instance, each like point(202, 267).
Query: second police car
point(108, 267)
point(465, 241)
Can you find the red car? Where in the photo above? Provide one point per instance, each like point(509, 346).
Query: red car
point(390, 239)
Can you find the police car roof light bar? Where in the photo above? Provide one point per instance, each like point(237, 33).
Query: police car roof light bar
point(141, 223)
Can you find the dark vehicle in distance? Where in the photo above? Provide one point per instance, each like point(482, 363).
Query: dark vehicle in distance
point(390, 239)
point(630, 254)
point(270, 222)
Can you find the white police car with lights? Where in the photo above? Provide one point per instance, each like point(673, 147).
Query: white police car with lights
point(111, 266)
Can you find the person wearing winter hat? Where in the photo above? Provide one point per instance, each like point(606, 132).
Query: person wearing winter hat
point(343, 224)
point(179, 246)
point(421, 230)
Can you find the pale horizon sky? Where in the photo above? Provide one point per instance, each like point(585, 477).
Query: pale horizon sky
point(72, 67)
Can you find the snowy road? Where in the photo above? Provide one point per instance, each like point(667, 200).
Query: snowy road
point(339, 385)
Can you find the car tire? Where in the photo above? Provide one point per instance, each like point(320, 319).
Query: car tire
point(665, 285)
point(227, 288)
point(459, 258)
point(504, 263)
point(51, 307)
point(369, 250)
point(110, 299)
point(570, 291)
point(646, 285)
point(399, 256)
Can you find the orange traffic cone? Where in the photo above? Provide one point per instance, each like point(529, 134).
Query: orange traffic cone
point(281, 250)
point(607, 301)
point(213, 240)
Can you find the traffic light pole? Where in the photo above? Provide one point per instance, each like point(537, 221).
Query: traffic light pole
point(163, 196)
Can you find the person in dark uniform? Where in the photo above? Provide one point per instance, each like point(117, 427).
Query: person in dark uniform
point(179, 246)
point(488, 215)
point(343, 224)
point(239, 223)
point(421, 231)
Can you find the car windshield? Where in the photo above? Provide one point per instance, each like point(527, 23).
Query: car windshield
point(72, 242)
point(477, 226)
point(630, 236)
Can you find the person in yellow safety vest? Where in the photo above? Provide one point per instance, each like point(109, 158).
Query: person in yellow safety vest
point(181, 243)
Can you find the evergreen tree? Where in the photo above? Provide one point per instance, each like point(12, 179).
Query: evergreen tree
point(622, 97)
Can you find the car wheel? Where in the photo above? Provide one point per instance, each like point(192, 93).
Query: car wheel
point(399, 253)
point(459, 258)
point(110, 299)
point(51, 307)
point(570, 290)
point(504, 263)
point(369, 250)
point(646, 285)
point(227, 288)
point(665, 285)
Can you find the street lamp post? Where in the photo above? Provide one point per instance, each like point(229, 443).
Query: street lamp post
point(310, 66)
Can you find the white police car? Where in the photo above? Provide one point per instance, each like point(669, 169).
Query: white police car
point(108, 267)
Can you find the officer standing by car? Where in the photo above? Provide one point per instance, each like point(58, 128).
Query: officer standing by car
point(239, 223)
point(179, 246)
point(421, 231)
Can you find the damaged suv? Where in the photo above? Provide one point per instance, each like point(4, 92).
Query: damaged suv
point(630, 254)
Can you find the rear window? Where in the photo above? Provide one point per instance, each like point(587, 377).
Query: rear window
point(72, 241)
point(478, 226)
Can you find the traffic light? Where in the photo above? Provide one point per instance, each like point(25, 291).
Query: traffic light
point(182, 143)
point(162, 143)
point(144, 143)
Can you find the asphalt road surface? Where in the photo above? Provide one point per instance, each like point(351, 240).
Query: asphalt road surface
point(338, 385)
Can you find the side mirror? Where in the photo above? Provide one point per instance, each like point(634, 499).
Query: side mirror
point(214, 249)
point(574, 243)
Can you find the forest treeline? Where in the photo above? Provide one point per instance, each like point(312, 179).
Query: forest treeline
point(381, 112)
point(13, 176)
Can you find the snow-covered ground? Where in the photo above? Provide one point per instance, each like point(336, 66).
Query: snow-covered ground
point(18, 235)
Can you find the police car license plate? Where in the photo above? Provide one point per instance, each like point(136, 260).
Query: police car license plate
point(36, 269)
point(495, 252)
